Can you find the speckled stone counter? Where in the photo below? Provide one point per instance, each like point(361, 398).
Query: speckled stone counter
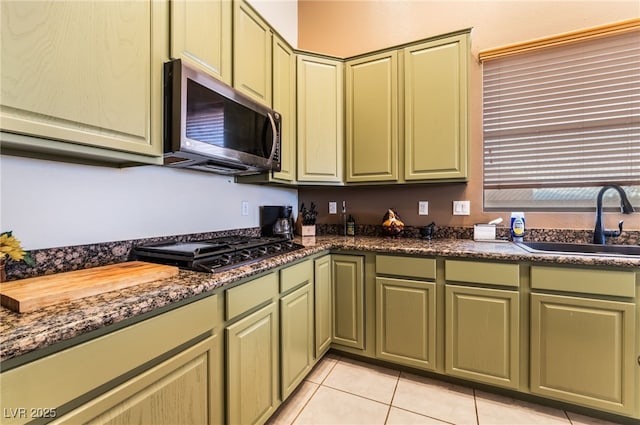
point(24, 333)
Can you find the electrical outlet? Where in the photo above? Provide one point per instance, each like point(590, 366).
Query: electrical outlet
point(461, 207)
point(245, 207)
point(333, 207)
point(423, 208)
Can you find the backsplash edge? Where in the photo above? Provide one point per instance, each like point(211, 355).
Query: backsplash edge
point(78, 257)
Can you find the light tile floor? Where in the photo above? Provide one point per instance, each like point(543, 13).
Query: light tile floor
point(342, 391)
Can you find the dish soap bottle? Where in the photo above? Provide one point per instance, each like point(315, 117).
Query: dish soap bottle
point(517, 226)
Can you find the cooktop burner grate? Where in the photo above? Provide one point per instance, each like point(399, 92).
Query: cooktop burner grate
point(214, 255)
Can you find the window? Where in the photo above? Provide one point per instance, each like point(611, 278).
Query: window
point(561, 119)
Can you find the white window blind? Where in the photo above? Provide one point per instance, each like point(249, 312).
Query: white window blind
point(565, 116)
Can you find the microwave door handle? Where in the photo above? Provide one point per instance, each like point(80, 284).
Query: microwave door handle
point(274, 144)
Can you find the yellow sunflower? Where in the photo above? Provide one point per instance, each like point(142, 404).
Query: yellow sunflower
point(10, 248)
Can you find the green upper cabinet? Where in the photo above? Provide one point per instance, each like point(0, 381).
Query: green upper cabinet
point(372, 118)
point(284, 101)
point(83, 79)
point(320, 119)
point(201, 35)
point(406, 113)
point(251, 53)
point(435, 109)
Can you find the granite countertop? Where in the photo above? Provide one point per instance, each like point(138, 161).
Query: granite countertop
point(24, 333)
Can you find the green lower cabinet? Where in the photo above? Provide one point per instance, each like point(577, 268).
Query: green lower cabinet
point(348, 300)
point(252, 367)
point(482, 335)
point(162, 370)
point(582, 351)
point(296, 337)
point(323, 308)
point(406, 322)
point(178, 391)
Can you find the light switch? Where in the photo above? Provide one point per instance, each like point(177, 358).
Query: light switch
point(423, 207)
point(245, 207)
point(333, 207)
point(461, 207)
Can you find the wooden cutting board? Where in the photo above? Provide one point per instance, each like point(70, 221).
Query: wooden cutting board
point(37, 292)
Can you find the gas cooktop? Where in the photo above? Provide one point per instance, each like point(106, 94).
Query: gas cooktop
point(215, 255)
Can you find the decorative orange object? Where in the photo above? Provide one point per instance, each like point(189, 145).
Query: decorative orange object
point(391, 223)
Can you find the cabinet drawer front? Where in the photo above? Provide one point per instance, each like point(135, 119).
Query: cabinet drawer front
point(406, 266)
point(295, 275)
point(483, 272)
point(251, 294)
point(585, 281)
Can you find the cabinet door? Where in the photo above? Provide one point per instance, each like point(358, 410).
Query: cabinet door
point(251, 53)
point(252, 367)
point(177, 391)
point(435, 109)
point(323, 307)
point(406, 322)
point(83, 78)
point(201, 35)
point(372, 118)
point(582, 351)
point(320, 122)
point(348, 299)
point(482, 335)
point(296, 337)
point(284, 101)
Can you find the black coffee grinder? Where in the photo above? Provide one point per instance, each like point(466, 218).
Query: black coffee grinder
point(276, 220)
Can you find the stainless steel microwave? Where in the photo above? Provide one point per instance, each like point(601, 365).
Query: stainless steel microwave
point(210, 126)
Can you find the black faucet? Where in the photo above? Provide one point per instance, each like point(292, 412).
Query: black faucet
point(599, 234)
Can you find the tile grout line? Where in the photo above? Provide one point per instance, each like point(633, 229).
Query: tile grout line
point(389, 405)
point(425, 416)
point(408, 410)
point(475, 404)
point(386, 419)
point(314, 392)
point(305, 404)
point(355, 395)
point(568, 417)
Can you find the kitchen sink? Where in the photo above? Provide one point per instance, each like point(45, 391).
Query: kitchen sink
point(580, 248)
